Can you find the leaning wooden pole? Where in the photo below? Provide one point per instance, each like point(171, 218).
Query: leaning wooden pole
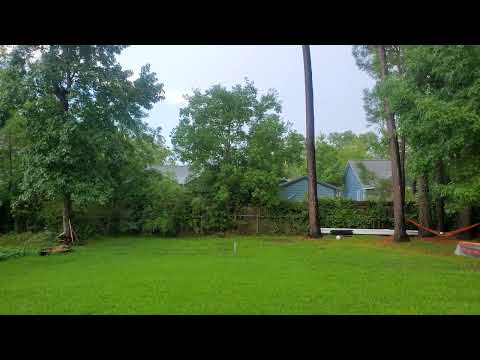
point(313, 216)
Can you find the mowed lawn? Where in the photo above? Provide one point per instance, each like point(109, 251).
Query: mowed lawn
point(269, 275)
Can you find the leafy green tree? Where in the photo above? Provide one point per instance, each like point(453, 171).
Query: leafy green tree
point(271, 148)
point(79, 102)
point(212, 128)
point(238, 147)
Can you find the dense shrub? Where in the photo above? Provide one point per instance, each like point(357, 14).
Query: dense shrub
point(14, 244)
point(345, 213)
point(336, 213)
point(164, 208)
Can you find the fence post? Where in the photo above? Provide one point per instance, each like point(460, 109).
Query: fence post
point(257, 222)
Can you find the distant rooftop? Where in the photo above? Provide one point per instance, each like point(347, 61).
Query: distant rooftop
point(287, 182)
point(369, 171)
point(179, 172)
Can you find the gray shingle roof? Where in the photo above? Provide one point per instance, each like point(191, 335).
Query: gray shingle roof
point(369, 171)
point(179, 172)
point(292, 181)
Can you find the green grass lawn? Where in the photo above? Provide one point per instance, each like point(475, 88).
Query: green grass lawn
point(269, 275)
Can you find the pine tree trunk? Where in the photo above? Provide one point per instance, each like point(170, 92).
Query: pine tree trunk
point(313, 216)
point(402, 166)
point(400, 233)
point(423, 204)
point(403, 139)
point(10, 164)
point(440, 201)
point(465, 219)
point(440, 213)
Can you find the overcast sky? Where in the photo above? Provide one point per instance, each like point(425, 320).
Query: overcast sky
point(337, 82)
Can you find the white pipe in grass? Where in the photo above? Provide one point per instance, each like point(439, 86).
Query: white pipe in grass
point(234, 247)
point(368, 231)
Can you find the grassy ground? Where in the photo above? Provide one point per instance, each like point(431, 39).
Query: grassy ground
point(269, 275)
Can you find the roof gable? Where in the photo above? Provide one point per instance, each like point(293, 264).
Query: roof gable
point(293, 181)
point(369, 172)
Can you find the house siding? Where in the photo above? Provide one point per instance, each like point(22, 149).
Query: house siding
point(298, 191)
point(353, 189)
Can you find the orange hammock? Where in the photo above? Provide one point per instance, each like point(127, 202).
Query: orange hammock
point(447, 234)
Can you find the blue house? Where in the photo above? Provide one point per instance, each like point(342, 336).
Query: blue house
point(367, 180)
point(296, 189)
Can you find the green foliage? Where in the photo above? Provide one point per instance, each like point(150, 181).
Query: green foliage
point(436, 99)
point(9, 253)
point(27, 243)
point(345, 213)
point(80, 107)
point(13, 141)
point(164, 210)
point(329, 167)
point(434, 93)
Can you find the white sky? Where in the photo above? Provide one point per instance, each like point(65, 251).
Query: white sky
point(337, 82)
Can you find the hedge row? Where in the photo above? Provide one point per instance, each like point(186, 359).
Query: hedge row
point(292, 217)
point(286, 217)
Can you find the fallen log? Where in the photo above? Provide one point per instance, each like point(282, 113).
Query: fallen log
point(55, 250)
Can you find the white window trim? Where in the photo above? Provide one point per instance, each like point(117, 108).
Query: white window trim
point(359, 195)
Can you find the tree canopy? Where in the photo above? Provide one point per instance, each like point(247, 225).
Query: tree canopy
point(237, 142)
point(79, 106)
